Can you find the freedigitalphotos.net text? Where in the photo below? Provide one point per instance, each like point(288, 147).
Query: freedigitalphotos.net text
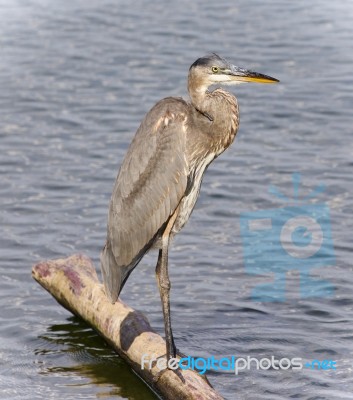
point(202, 365)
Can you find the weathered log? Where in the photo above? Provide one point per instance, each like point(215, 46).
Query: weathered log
point(73, 282)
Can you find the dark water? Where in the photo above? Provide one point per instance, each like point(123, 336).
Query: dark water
point(76, 77)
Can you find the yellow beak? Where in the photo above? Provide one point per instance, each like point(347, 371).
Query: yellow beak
point(244, 75)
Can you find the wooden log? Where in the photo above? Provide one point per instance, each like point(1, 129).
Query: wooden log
point(73, 282)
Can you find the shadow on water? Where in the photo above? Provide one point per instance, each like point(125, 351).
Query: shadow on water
point(77, 350)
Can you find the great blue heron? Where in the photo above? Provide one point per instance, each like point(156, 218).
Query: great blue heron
point(160, 177)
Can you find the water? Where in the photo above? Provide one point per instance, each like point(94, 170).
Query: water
point(76, 78)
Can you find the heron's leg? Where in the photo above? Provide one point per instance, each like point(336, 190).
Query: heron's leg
point(164, 290)
point(164, 285)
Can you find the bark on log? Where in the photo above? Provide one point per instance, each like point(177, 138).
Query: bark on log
point(73, 282)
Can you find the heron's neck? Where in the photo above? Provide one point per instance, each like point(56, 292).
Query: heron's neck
point(198, 96)
point(214, 105)
point(220, 108)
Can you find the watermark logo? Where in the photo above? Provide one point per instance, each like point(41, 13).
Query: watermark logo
point(296, 237)
point(235, 364)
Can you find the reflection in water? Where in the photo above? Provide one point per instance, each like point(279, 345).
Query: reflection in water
point(93, 362)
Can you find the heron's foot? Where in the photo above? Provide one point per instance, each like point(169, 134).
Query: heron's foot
point(180, 354)
point(177, 354)
point(177, 371)
point(167, 358)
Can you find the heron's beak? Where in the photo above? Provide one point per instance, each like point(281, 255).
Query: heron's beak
point(243, 75)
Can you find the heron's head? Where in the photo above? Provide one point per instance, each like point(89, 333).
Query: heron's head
point(212, 69)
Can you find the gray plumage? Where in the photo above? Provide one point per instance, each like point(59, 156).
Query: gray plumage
point(150, 184)
point(160, 177)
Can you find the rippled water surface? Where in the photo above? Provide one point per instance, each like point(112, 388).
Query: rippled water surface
point(76, 78)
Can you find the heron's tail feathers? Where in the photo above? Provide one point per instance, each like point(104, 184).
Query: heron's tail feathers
point(112, 273)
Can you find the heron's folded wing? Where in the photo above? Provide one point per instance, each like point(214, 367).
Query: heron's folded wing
point(151, 181)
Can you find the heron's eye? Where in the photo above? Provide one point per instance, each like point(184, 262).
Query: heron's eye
point(215, 70)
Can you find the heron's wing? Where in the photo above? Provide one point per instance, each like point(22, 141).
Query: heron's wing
point(151, 182)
